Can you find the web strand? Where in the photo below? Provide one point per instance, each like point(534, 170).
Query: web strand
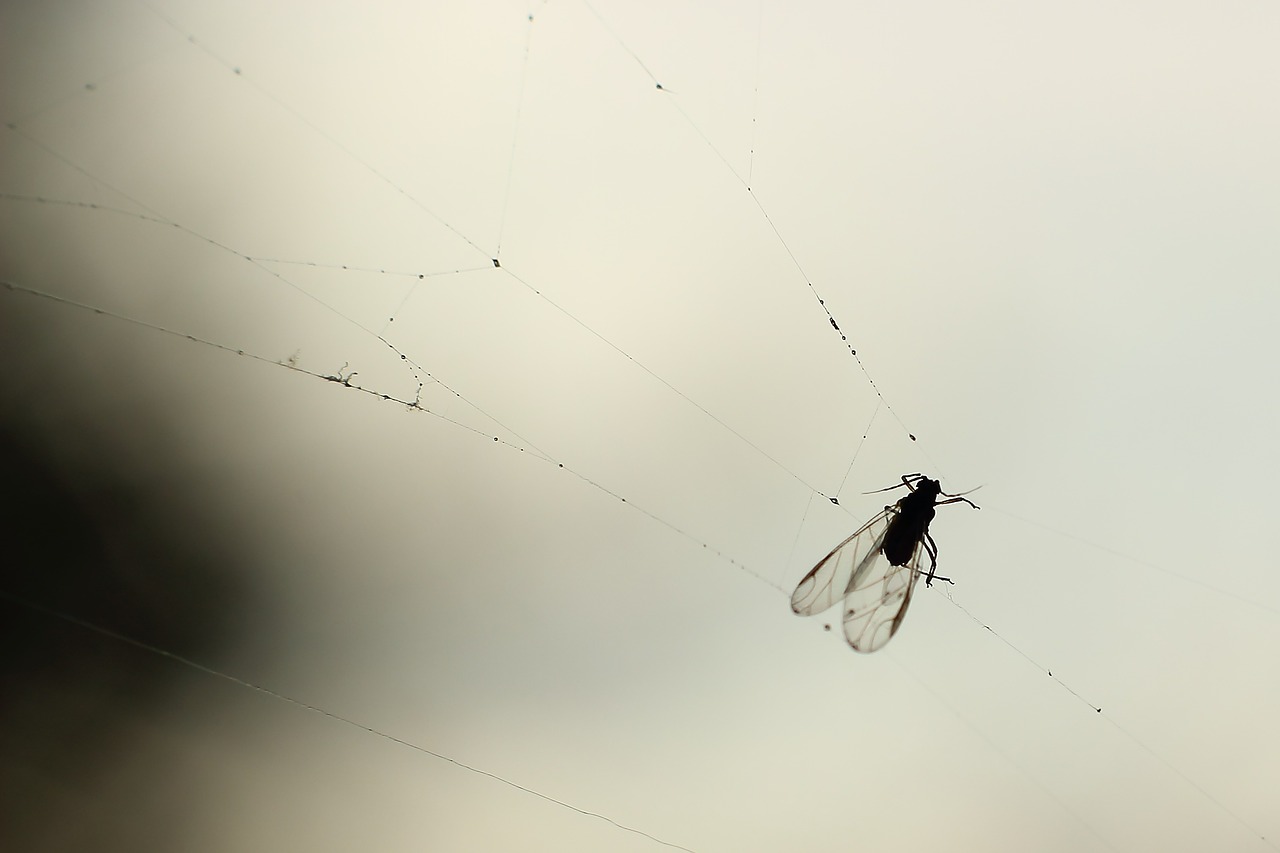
point(316, 709)
point(158, 218)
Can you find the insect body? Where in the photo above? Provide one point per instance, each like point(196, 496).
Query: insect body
point(874, 571)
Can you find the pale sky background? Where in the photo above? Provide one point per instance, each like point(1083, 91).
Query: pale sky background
point(1051, 231)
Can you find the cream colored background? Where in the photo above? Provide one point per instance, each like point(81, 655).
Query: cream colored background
point(1050, 231)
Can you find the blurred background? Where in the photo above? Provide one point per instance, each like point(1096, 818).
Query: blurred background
point(418, 415)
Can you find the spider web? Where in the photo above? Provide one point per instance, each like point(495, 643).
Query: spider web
point(555, 277)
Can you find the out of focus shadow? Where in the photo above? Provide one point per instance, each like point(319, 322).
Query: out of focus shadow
point(90, 533)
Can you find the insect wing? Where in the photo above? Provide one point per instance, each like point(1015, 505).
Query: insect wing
point(877, 600)
point(839, 572)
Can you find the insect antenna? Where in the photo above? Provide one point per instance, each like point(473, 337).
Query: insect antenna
point(957, 498)
point(907, 480)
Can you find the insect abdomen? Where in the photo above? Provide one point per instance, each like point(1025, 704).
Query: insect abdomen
point(899, 549)
point(905, 533)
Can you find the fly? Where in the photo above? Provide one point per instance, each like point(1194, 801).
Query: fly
point(876, 591)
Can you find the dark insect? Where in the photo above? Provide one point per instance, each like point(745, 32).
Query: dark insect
point(876, 591)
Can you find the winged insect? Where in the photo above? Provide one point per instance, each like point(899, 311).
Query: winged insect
point(874, 571)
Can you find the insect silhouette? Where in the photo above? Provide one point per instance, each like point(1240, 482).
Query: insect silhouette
point(874, 571)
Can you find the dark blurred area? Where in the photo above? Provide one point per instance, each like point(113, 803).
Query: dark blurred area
point(104, 521)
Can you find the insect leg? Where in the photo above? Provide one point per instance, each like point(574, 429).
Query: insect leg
point(931, 548)
point(908, 480)
point(958, 499)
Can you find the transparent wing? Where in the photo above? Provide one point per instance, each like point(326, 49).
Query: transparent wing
point(838, 573)
point(877, 600)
